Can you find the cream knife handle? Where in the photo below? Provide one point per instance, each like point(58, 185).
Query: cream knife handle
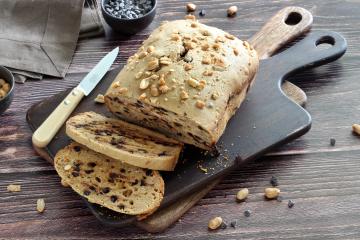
point(47, 130)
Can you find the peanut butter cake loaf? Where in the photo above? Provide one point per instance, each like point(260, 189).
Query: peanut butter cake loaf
point(186, 80)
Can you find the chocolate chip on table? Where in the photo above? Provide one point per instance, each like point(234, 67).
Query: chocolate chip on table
point(273, 181)
point(202, 13)
point(223, 225)
point(128, 9)
point(291, 204)
point(233, 224)
point(247, 213)
point(332, 141)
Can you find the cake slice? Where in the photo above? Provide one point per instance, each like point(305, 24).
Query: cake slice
point(123, 141)
point(109, 182)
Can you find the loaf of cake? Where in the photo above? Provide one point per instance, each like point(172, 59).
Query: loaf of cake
point(124, 142)
point(108, 182)
point(186, 80)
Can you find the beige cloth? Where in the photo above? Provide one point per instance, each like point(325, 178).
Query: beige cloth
point(39, 37)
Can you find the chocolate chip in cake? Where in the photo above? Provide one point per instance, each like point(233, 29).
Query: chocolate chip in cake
point(87, 192)
point(89, 171)
point(98, 179)
point(77, 149)
point(75, 174)
point(92, 188)
point(113, 198)
point(91, 164)
point(121, 206)
point(105, 190)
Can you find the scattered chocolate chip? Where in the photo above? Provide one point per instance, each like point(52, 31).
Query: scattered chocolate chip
point(223, 225)
point(279, 198)
point(105, 190)
point(113, 198)
point(75, 174)
point(87, 192)
point(291, 204)
point(202, 12)
point(247, 213)
point(233, 224)
point(332, 141)
point(273, 181)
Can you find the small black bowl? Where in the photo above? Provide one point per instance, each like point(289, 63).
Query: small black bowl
point(128, 26)
point(9, 78)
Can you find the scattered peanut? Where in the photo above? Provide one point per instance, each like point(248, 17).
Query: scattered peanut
point(154, 91)
point(143, 54)
point(242, 194)
point(175, 37)
point(215, 223)
point(193, 82)
point(184, 95)
point(188, 66)
point(214, 96)
point(206, 60)
point(229, 36)
point(236, 52)
point(164, 89)
point(153, 64)
point(14, 188)
point(190, 7)
point(216, 46)
point(142, 96)
point(232, 11)
point(200, 104)
point(194, 25)
point(144, 84)
point(208, 73)
point(40, 205)
point(356, 128)
point(100, 98)
point(272, 193)
point(205, 46)
point(150, 49)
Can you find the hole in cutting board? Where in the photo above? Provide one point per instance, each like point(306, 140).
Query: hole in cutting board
point(325, 42)
point(293, 18)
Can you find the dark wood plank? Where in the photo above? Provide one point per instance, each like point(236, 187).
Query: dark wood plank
point(323, 180)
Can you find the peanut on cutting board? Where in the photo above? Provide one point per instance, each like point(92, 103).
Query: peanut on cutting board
point(4, 88)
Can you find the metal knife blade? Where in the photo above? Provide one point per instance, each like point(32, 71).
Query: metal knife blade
point(97, 73)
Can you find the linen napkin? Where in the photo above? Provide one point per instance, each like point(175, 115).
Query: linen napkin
point(39, 37)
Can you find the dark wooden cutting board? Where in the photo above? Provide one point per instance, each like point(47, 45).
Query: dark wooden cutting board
point(266, 119)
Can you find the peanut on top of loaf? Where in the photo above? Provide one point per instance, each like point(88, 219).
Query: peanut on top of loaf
point(191, 70)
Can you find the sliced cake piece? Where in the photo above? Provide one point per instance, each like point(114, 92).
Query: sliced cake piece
point(109, 182)
point(123, 141)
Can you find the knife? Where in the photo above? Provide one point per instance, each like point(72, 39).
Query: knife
point(47, 130)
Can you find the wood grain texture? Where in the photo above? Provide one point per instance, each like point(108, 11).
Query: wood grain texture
point(321, 179)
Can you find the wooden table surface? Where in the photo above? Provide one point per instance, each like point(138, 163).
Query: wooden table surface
point(322, 180)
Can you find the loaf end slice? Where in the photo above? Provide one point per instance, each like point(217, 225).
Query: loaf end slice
point(108, 182)
point(123, 141)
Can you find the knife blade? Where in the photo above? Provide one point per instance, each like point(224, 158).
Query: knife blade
point(48, 129)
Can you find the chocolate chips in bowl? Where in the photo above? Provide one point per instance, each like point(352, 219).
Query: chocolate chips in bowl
point(6, 88)
point(128, 16)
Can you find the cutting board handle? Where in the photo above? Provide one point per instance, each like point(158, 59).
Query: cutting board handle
point(308, 53)
point(284, 26)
